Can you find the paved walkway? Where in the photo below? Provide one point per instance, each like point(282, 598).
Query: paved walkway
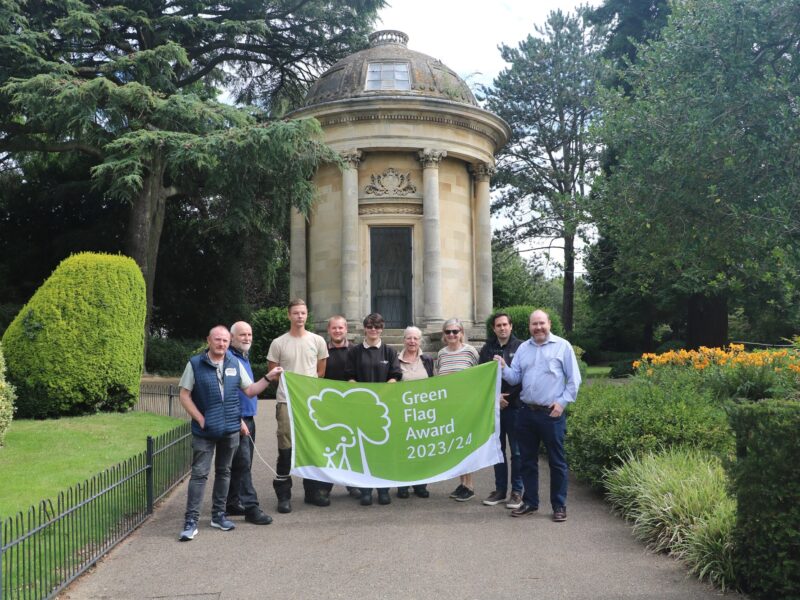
point(411, 549)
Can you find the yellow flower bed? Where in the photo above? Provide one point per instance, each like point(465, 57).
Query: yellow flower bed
point(733, 355)
point(730, 369)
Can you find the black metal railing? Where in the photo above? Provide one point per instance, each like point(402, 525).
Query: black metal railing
point(46, 548)
point(161, 399)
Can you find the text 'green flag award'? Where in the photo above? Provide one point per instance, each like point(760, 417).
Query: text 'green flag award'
point(394, 434)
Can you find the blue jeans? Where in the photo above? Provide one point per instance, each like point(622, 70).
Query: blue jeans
point(241, 488)
point(534, 427)
point(202, 453)
point(508, 424)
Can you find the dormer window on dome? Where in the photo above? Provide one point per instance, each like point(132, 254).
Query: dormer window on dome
point(388, 76)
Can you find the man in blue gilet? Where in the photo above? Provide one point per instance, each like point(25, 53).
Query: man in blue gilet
point(209, 394)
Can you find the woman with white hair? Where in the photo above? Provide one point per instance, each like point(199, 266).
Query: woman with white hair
point(415, 365)
point(457, 356)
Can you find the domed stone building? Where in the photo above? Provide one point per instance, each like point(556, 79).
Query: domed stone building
point(404, 229)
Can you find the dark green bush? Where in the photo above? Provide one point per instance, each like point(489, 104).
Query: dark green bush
point(520, 316)
point(7, 397)
point(609, 421)
point(77, 346)
point(167, 356)
point(621, 368)
point(767, 486)
point(7, 314)
point(670, 345)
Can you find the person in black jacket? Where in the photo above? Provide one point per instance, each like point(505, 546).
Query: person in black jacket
point(505, 344)
point(372, 361)
point(335, 368)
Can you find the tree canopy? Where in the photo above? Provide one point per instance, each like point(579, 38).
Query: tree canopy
point(134, 86)
point(548, 95)
point(702, 203)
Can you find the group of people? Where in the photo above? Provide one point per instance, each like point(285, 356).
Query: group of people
point(540, 378)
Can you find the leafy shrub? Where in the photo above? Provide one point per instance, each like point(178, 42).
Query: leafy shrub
point(621, 368)
point(520, 316)
point(678, 503)
point(671, 345)
point(168, 356)
point(7, 397)
point(768, 493)
point(77, 346)
point(610, 421)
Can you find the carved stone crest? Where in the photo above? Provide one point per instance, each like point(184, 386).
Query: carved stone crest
point(390, 183)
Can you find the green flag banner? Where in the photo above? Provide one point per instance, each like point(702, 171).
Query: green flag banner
point(394, 434)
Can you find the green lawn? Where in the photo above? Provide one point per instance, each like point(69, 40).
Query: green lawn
point(597, 372)
point(41, 458)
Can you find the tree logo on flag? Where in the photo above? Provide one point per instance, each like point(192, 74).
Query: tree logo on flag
point(367, 425)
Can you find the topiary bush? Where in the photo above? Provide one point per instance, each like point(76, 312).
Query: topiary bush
point(77, 346)
point(520, 316)
point(7, 397)
point(767, 486)
point(610, 421)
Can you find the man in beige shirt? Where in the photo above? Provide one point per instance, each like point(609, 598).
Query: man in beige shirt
point(305, 353)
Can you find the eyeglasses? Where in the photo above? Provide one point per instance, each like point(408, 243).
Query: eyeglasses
point(378, 327)
point(452, 331)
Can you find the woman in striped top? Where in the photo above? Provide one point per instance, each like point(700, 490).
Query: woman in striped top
point(457, 356)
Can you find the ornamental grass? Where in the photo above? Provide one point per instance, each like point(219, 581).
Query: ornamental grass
point(677, 501)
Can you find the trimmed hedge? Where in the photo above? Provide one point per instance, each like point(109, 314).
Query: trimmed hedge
point(610, 421)
point(7, 397)
point(767, 485)
point(77, 346)
point(520, 316)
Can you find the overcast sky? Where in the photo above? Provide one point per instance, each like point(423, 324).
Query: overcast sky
point(465, 34)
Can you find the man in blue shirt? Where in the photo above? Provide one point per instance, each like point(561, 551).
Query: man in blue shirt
point(548, 370)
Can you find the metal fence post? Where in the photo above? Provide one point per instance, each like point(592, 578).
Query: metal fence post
point(171, 396)
point(149, 474)
point(2, 546)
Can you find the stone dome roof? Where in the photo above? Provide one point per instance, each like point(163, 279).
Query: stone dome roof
point(379, 71)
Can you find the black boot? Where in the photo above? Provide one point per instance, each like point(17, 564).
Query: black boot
point(283, 489)
point(366, 497)
point(421, 491)
point(402, 492)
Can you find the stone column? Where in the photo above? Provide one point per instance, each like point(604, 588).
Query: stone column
point(431, 233)
point(350, 258)
point(298, 276)
point(482, 172)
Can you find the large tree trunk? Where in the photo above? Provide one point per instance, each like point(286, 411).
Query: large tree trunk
point(145, 226)
point(568, 306)
point(707, 323)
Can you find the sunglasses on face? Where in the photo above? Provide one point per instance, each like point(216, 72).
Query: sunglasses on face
point(377, 327)
point(452, 331)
